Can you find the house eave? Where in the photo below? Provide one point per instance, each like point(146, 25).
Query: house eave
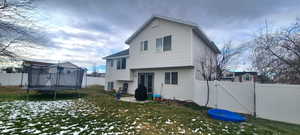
point(169, 67)
point(124, 56)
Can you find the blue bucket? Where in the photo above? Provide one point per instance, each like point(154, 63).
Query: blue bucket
point(156, 96)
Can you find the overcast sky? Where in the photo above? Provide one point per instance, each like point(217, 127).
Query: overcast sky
point(83, 31)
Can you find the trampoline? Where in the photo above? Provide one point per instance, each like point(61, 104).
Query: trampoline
point(53, 77)
point(225, 115)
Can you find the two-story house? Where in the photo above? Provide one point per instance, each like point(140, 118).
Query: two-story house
point(165, 55)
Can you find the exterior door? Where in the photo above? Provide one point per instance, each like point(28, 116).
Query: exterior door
point(125, 87)
point(146, 80)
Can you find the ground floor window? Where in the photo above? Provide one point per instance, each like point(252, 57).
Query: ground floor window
point(110, 85)
point(171, 77)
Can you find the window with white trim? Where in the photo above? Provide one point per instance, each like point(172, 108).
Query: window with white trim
point(247, 77)
point(144, 45)
point(110, 85)
point(164, 43)
point(121, 63)
point(159, 44)
point(167, 77)
point(110, 63)
point(171, 78)
point(167, 43)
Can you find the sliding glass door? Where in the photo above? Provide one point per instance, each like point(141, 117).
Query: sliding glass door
point(146, 80)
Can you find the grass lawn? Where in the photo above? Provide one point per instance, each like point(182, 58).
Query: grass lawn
point(97, 112)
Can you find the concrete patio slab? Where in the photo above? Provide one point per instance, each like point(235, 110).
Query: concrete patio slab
point(132, 99)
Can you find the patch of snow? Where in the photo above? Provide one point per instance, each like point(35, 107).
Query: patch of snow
point(169, 122)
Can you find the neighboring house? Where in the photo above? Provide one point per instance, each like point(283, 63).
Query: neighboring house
point(96, 74)
point(165, 55)
point(239, 76)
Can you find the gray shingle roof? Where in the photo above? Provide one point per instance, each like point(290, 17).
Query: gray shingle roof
point(118, 54)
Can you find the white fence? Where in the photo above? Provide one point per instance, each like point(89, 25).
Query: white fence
point(15, 79)
point(12, 79)
point(88, 81)
point(233, 96)
point(272, 101)
point(278, 102)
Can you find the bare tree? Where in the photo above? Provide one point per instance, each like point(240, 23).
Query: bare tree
point(16, 26)
point(3, 4)
point(277, 54)
point(208, 69)
point(226, 56)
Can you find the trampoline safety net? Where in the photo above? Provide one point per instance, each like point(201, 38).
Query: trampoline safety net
point(54, 77)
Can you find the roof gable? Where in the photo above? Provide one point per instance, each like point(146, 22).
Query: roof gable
point(194, 26)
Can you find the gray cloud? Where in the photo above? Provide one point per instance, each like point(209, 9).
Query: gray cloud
point(115, 20)
point(132, 12)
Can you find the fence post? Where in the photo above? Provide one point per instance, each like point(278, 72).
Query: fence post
point(216, 93)
point(254, 99)
point(21, 85)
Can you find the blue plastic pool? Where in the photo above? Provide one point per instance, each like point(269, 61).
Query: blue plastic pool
point(225, 115)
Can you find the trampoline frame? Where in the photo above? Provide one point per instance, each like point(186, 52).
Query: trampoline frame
point(56, 86)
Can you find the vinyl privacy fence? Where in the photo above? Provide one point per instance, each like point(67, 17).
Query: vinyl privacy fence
point(88, 81)
point(270, 101)
point(15, 79)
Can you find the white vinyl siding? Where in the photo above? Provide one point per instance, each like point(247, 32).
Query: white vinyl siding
point(180, 41)
point(202, 54)
point(182, 91)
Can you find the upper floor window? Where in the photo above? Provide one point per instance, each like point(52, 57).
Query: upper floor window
point(159, 44)
point(171, 77)
point(110, 63)
point(121, 63)
point(164, 43)
point(167, 43)
point(144, 45)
